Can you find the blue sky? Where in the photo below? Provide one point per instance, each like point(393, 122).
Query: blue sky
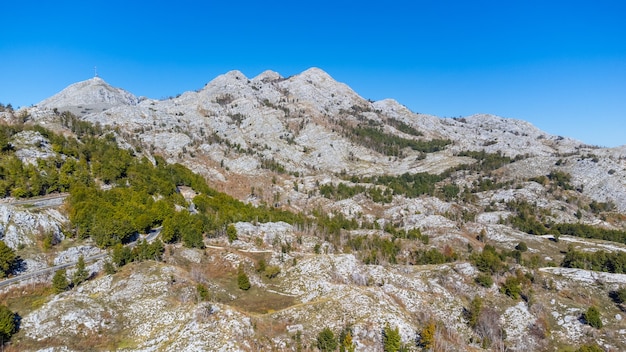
point(559, 64)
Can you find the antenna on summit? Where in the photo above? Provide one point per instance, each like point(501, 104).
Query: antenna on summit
point(95, 71)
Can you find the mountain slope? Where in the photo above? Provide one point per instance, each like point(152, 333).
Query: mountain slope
point(410, 218)
point(93, 93)
point(307, 124)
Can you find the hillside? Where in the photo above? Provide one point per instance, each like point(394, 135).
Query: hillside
point(474, 233)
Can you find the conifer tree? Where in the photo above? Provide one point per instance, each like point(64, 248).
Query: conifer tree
point(109, 268)
point(592, 317)
point(81, 274)
point(345, 339)
point(59, 281)
point(326, 340)
point(473, 313)
point(427, 336)
point(231, 232)
point(391, 339)
point(242, 279)
point(7, 323)
point(7, 259)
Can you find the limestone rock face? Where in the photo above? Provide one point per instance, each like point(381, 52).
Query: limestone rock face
point(276, 141)
point(94, 92)
point(20, 227)
point(300, 122)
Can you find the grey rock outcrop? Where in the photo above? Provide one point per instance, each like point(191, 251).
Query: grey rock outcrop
point(22, 227)
point(93, 93)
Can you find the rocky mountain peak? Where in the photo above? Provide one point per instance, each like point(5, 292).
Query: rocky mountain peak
point(267, 76)
point(322, 92)
point(94, 92)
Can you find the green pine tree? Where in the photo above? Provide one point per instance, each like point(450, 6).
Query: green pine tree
point(109, 268)
point(473, 313)
point(231, 232)
point(81, 274)
point(242, 279)
point(391, 339)
point(326, 340)
point(59, 281)
point(592, 317)
point(7, 259)
point(7, 323)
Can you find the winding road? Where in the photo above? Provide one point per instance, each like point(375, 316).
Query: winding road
point(52, 200)
point(47, 271)
point(151, 236)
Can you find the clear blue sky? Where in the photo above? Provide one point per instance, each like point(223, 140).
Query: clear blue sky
point(559, 64)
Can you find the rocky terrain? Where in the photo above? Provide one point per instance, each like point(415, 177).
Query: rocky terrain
point(290, 143)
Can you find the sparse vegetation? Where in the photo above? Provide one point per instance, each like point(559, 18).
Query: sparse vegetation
point(243, 282)
point(59, 281)
point(592, 317)
point(7, 259)
point(116, 195)
point(326, 340)
point(388, 144)
point(80, 274)
point(8, 324)
point(391, 339)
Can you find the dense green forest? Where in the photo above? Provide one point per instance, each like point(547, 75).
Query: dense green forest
point(530, 219)
point(612, 262)
point(413, 185)
point(372, 136)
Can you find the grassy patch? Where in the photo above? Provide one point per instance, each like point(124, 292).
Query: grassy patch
point(26, 299)
point(258, 300)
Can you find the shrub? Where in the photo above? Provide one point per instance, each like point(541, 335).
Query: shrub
point(345, 340)
point(488, 261)
point(272, 271)
point(473, 313)
point(592, 317)
point(231, 232)
point(621, 295)
point(427, 336)
point(242, 279)
point(522, 247)
point(326, 340)
point(203, 292)
point(512, 287)
point(484, 280)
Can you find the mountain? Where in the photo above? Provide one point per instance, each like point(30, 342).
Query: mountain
point(92, 94)
point(304, 123)
point(410, 218)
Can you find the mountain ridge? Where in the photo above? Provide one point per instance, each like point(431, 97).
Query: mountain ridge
point(402, 212)
point(290, 119)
